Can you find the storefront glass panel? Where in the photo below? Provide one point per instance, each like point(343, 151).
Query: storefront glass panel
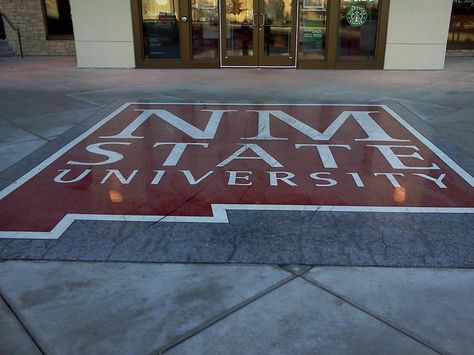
point(260, 33)
point(461, 29)
point(205, 29)
point(239, 28)
point(357, 29)
point(278, 17)
point(312, 31)
point(161, 29)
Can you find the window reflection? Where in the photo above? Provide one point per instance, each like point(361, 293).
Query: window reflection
point(115, 196)
point(461, 29)
point(312, 34)
point(277, 27)
point(400, 195)
point(239, 29)
point(358, 29)
point(160, 29)
point(205, 29)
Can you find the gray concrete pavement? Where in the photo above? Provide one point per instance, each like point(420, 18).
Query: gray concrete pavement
point(59, 307)
point(14, 340)
point(301, 319)
point(88, 308)
point(421, 302)
point(140, 308)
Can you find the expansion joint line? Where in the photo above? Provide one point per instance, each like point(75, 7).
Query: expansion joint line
point(371, 314)
point(22, 324)
point(224, 315)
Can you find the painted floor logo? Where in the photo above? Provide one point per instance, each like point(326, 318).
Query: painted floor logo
point(194, 162)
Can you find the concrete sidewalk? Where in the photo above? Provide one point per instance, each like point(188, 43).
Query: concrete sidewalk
point(74, 307)
point(118, 308)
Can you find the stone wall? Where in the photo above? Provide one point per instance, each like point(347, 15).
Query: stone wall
point(460, 53)
point(28, 16)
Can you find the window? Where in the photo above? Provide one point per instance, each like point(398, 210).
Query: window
point(358, 21)
point(461, 30)
point(313, 20)
point(2, 29)
point(161, 30)
point(58, 19)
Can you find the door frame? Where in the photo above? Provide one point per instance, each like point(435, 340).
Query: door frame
point(185, 44)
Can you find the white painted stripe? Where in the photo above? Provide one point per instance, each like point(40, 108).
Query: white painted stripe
point(460, 171)
point(220, 216)
point(247, 104)
point(43, 165)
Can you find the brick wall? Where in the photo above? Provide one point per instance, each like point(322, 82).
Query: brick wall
point(28, 17)
point(460, 53)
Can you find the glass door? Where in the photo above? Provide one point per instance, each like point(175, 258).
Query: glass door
point(239, 36)
point(277, 32)
point(176, 33)
point(163, 28)
point(204, 32)
point(258, 32)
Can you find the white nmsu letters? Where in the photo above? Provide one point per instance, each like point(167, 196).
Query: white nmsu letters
point(208, 133)
point(242, 178)
point(366, 122)
point(112, 157)
point(397, 155)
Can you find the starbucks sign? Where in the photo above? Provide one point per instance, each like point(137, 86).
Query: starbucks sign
point(356, 15)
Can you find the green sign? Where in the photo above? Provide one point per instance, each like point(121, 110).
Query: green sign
point(311, 33)
point(313, 30)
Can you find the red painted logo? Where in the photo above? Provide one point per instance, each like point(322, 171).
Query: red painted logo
point(194, 162)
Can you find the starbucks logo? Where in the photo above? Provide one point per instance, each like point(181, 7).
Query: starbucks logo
point(356, 15)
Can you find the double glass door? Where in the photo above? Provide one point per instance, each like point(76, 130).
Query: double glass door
point(178, 33)
point(258, 32)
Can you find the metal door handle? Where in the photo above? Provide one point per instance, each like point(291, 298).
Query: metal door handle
point(253, 20)
point(263, 19)
point(184, 19)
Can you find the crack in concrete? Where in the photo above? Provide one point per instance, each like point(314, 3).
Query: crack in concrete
point(374, 315)
point(210, 322)
point(234, 247)
point(150, 225)
point(295, 275)
point(22, 324)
